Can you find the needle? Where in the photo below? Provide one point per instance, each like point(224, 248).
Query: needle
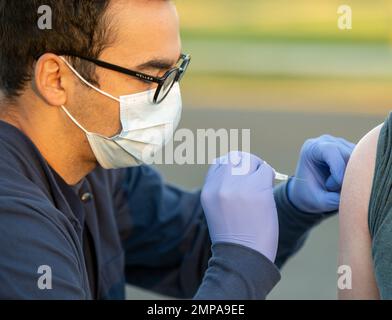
point(284, 177)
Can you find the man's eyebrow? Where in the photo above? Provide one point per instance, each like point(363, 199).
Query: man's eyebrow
point(158, 64)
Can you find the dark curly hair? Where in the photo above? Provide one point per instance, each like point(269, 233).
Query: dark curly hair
point(78, 26)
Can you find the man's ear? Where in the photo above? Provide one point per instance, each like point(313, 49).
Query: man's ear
point(52, 79)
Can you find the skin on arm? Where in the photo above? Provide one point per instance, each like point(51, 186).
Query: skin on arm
point(355, 241)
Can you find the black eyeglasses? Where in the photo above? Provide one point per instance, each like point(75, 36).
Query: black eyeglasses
point(165, 83)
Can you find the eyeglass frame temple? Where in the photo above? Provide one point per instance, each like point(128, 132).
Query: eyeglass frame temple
point(139, 75)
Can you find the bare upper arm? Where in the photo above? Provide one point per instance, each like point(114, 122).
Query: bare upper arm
point(355, 242)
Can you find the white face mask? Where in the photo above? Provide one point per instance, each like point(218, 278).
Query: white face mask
point(146, 127)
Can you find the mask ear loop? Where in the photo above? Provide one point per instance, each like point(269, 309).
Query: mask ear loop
point(75, 121)
point(87, 83)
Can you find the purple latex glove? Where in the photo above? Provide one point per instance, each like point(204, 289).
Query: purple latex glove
point(319, 176)
point(241, 209)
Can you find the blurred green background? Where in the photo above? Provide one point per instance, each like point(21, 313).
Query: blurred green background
point(285, 70)
point(288, 55)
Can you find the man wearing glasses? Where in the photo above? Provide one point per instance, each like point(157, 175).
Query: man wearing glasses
point(83, 106)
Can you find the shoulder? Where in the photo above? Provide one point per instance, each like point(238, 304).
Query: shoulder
point(359, 179)
point(363, 159)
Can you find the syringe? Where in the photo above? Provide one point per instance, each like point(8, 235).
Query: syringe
point(281, 177)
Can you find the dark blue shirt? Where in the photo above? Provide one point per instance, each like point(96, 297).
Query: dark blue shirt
point(117, 227)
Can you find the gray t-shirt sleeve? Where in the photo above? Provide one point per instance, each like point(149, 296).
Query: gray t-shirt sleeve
point(380, 212)
point(37, 258)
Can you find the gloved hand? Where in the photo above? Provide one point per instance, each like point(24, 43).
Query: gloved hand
point(319, 176)
point(241, 209)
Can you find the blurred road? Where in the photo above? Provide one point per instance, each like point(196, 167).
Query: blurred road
point(291, 59)
point(278, 137)
point(290, 75)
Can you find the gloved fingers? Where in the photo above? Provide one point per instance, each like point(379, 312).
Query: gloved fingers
point(332, 183)
point(264, 177)
point(331, 201)
point(346, 152)
point(345, 146)
point(248, 165)
point(330, 138)
point(238, 163)
point(332, 186)
point(235, 163)
point(228, 159)
point(337, 165)
point(347, 143)
point(330, 154)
